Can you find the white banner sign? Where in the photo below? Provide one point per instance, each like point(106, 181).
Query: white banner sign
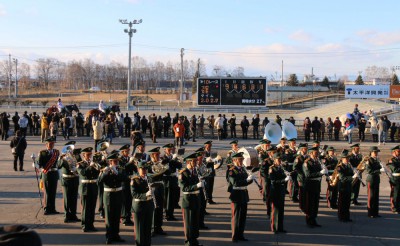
point(367, 91)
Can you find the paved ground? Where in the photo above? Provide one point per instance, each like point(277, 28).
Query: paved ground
point(20, 203)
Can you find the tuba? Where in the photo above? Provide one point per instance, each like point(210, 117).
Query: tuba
point(273, 132)
point(334, 179)
point(69, 157)
point(289, 131)
point(158, 168)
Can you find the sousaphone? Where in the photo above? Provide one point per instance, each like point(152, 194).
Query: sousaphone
point(273, 132)
point(289, 131)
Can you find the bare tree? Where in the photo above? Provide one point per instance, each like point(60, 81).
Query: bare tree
point(238, 72)
point(375, 72)
point(45, 70)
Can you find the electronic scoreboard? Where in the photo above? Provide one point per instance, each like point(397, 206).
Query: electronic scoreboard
point(231, 91)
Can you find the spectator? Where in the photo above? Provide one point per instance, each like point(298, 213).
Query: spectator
point(211, 122)
point(316, 127)
point(349, 125)
point(201, 121)
point(329, 128)
point(18, 144)
point(15, 120)
point(225, 127)
point(44, 125)
point(232, 125)
point(23, 124)
point(193, 126)
point(337, 125)
point(179, 131)
point(393, 129)
point(109, 129)
point(30, 124)
point(307, 129)
point(361, 128)
point(291, 120)
point(88, 125)
point(160, 126)
point(322, 129)
point(98, 127)
point(186, 124)
point(144, 124)
point(36, 124)
point(66, 124)
point(356, 111)
point(382, 130)
point(53, 127)
point(244, 124)
point(120, 124)
point(218, 124)
point(167, 125)
point(255, 123)
point(278, 120)
point(127, 125)
point(79, 119)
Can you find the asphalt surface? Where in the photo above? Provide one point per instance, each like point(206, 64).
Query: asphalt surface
point(20, 203)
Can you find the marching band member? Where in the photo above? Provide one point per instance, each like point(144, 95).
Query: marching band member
point(112, 178)
point(209, 184)
point(70, 184)
point(373, 169)
point(142, 205)
point(355, 159)
point(234, 150)
point(140, 149)
point(289, 156)
point(191, 186)
point(394, 166)
point(282, 144)
point(266, 161)
point(312, 186)
point(239, 196)
point(102, 161)
point(158, 187)
point(47, 162)
point(298, 168)
point(126, 163)
point(88, 173)
point(277, 193)
point(170, 181)
point(331, 162)
point(202, 195)
point(345, 179)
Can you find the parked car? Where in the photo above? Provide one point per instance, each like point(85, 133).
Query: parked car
point(95, 88)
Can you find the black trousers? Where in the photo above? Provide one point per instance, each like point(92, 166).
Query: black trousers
point(373, 198)
point(112, 204)
point(344, 205)
point(50, 185)
point(239, 214)
point(233, 132)
point(191, 225)
point(70, 193)
point(361, 134)
point(209, 187)
point(19, 157)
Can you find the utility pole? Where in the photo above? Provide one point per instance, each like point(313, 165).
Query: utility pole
point(282, 87)
point(9, 77)
point(130, 31)
point(16, 77)
point(181, 85)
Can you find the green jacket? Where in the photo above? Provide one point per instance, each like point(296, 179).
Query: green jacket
point(237, 179)
point(298, 167)
point(312, 175)
point(188, 182)
point(394, 167)
point(345, 173)
point(372, 168)
point(139, 188)
point(87, 172)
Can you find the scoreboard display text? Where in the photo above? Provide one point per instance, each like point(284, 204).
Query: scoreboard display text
point(231, 91)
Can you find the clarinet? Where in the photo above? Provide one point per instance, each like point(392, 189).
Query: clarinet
point(152, 194)
point(201, 177)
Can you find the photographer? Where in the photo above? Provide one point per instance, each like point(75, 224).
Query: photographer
point(18, 145)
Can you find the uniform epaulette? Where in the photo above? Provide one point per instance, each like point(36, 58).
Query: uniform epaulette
point(136, 177)
point(43, 151)
point(182, 170)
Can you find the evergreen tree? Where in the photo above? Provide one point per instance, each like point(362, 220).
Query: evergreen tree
point(359, 80)
point(395, 80)
point(292, 81)
point(325, 82)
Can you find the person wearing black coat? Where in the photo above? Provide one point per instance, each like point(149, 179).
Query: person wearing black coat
point(20, 144)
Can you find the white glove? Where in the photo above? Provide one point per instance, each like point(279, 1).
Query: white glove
point(382, 170)
point(324, 171)
point(107, 170)
point(131, 159)
point(114, 169)
point(249, 178)
point(288, 178)
point(355, 176)
point(92, 164)
point(200, 184)
point(35, 165)
point(148, 193)
point(174, 156)
point(209, 159)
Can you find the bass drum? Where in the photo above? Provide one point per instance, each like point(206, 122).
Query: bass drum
point(250, 156)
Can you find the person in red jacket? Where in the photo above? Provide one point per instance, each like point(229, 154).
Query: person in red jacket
point(179, 130)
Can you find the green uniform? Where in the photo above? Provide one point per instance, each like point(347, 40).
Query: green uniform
point(158, 187)
point(372, 168)
point(312, 188)
point(112, 199)
point(171, 185)
point(290, 156)
point(88, 190)
point(239, 198)
point(70, 184)
point(345, 172)
point(229, 164)
point(47, 160)
point(103, 164)
point(394, 166)
point(143, 208)
point(278, 191)
point(266, 163)
point(209, 184)
point(188, 180)
point(331, 192)
point(130, 170)
point(298, 168)
point(355, 160)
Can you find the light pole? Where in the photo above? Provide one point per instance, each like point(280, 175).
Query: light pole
point(130, 31)
point(181, 85)
point(16, 77)
point(9, 78)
